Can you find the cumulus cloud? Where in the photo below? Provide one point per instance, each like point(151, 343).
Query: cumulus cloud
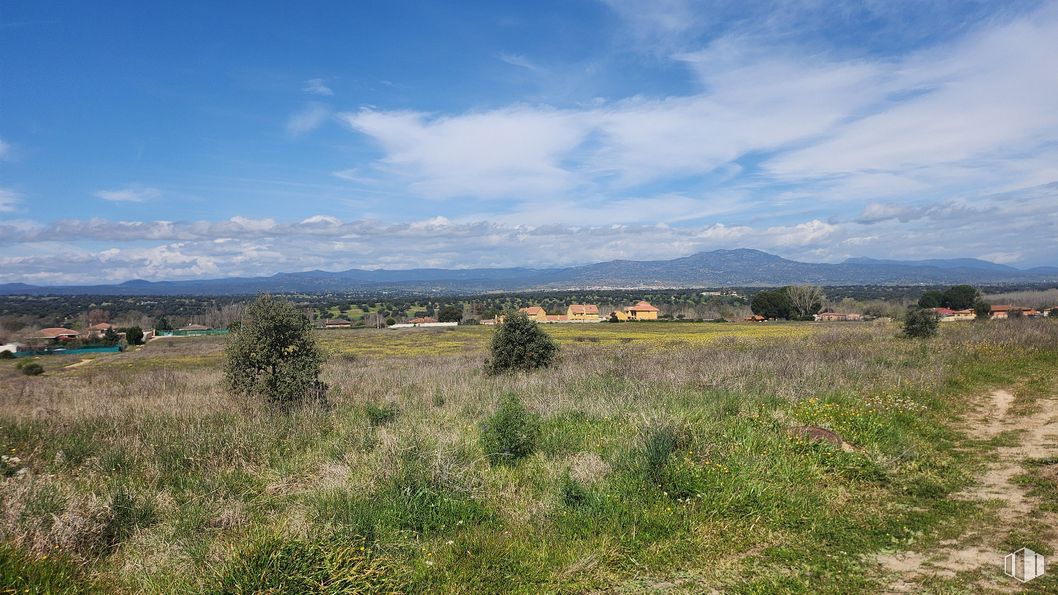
point(1014, 227)
point(133, 193)
point(515, 151)
point(974, 113)
point(317, 87)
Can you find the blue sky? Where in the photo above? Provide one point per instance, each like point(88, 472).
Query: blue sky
point(241, 138)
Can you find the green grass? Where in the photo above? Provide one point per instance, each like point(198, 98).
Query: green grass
point(653, 468)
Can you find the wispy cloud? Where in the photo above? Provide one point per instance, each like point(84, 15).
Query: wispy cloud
point(311, 117)
point(317, 87)
point(518, 60)
point(5, 150)
point(134, 193)
point(9, 199)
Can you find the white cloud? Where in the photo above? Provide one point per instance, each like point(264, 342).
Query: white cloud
point(133, 193)
point(317, 87)
point(1014, 227)
point(511, 152)
point(518, 60)
point(8, 200)
point(308, 119)
point(5, 150)
point(971, 115)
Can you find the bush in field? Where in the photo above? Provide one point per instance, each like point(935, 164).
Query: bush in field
point(134, 335)
point(274, 354)
point(511, 432)
point(921, 323)
point(1054, 314)
point(519, 344)
point(6, 354)
point(32, 369)
point(982, 310)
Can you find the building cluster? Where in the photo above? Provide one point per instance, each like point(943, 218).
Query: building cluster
point(1003, 311)
point(587, 313)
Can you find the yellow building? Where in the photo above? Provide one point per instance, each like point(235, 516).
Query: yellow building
point(582, 312)
point(642, 311)
point(620, 315)
point(535, 313)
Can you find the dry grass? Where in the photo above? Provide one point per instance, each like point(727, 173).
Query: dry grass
point(209, 473)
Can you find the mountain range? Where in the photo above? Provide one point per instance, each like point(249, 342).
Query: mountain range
point(718, 268)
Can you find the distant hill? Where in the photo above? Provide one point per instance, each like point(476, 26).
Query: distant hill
point(719, 268)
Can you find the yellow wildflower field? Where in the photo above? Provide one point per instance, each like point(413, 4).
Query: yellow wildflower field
point(447, 341)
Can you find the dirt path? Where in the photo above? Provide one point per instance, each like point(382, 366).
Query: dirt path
point(978, 549)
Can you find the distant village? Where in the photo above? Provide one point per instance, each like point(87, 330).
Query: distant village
point(104, 336)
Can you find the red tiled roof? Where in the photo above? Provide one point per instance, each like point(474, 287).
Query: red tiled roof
point(583, 309)
point(422, 320)
point(641, 307)
point(54, 333)
point(534, 311)
point(1002, 307)
point(944, 311)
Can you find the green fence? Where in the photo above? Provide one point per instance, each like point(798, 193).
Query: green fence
point(64, 351)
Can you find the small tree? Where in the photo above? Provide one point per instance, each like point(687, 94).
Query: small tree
point(982, 309)
point(960, 297)
point(520, 344)
point(134, 335)
point(805, 300)
point(110, 337)
point(32, 369)
point(921, 323)
point(931, 299)
point(511, 432)
point(450, 313)
point(1054, 314)
point(274, 354)
point(772, 304)
point(163, 324)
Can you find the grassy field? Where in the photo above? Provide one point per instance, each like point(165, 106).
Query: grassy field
point(665, 463)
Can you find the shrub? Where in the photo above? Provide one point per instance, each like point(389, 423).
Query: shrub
point(274, 354)
point(32, 369)
point(134, 335)
point(982, 310)
point(520, 344)
point(511, 433)
point(921, 323)
point(6, 354)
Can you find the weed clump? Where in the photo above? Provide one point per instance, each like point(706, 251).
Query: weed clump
point(32, 369)
point(520, 344)
point(281, 565)
point(379, 414)
point(511, 433)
